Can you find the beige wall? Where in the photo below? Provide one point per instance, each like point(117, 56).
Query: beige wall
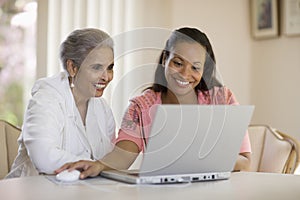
point(275, 79)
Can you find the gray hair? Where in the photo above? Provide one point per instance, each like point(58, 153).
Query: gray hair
point(80, 43)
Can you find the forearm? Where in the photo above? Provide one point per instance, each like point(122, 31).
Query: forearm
point(122, 156)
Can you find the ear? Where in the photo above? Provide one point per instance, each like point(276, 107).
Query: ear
point(71, 68)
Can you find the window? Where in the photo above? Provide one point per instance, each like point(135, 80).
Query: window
point(17, 56)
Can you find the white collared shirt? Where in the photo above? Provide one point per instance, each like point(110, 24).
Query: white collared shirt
point(53, 132)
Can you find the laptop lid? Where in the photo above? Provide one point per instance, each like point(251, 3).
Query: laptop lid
point(192, 143)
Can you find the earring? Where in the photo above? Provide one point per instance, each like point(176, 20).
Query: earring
point(72, 82)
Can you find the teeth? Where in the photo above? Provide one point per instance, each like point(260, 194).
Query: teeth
point(182, 82)
point(100, 86)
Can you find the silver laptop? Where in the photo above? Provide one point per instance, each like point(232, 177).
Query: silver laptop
point(190, 143)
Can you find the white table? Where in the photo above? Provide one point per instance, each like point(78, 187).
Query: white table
point(241, 186)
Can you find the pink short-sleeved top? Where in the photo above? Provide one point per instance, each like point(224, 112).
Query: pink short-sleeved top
point(136, 121)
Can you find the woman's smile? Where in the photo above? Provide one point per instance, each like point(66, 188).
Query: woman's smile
point(182, 83)
point(100, 85)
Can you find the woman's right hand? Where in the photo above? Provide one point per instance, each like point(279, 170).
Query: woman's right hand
point(87, 168)
point(121, 157)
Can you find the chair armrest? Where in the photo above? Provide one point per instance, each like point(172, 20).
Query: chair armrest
point(294, 160)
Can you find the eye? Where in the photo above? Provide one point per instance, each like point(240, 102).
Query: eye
point(177, 63)
point(97, 67)
point(110, 67)
point(197, 68)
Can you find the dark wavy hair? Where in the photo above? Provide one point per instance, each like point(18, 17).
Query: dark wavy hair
point(190, 35)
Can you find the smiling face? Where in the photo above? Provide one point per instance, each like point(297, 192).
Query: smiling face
point(94, 74)
point(184, 67)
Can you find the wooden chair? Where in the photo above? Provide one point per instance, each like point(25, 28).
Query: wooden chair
point(8, 146)
point(272, 150)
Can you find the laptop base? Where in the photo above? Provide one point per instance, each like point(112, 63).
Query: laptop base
point(164, 179)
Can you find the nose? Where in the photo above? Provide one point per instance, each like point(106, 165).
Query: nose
point(104, 75)
point(185, 71)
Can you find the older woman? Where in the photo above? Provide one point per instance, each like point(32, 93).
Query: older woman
point(66, 119)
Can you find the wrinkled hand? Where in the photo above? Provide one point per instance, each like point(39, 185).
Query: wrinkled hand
point(87, 168)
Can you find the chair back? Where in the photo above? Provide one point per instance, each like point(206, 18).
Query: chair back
point(272, 151)
point(8, 146)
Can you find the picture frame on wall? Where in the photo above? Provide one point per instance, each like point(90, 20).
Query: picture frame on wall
point(290, 17)
point(264, 19)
